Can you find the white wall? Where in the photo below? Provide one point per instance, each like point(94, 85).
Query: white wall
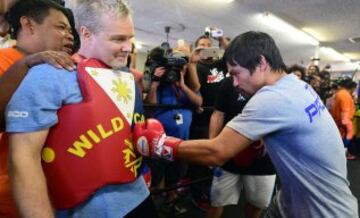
point(140, 60)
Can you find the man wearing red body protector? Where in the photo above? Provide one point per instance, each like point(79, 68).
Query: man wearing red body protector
point(284, 112)
point(71, 153)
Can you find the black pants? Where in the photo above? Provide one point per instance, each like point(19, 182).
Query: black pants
point(172, 172)
point(145, 209)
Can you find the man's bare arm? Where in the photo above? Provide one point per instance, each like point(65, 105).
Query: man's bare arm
point(213, 152)
point(216, 123)
point(151, 97)
point(27, 176)
point(192, 78)
point(224, 42)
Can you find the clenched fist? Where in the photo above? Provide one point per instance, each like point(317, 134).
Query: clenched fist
point(150, 140)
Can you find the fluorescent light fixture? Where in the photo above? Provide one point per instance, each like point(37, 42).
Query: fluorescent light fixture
point(334, 54)
point(352, 55)
point(280, 25)
point(316, 34)
point(223, 1)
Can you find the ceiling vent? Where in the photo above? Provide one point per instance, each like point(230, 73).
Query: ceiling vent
point(355, 39)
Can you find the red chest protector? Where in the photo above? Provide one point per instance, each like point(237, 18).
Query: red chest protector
point(91, 145)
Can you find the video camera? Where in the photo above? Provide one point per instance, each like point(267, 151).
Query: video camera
point(213, 32)
point(159, 57)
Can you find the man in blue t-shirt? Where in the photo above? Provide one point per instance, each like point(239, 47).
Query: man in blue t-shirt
point(284, 112)
point(33, 111)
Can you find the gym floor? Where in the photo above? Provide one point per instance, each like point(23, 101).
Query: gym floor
point(236, 211)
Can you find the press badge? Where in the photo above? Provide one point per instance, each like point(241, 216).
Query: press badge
point(179, 119)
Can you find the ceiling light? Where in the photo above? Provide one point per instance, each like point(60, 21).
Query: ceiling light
point(223, 1)
point(334, 54)
point(280, 25)
point(315, 34)
point(352, 55)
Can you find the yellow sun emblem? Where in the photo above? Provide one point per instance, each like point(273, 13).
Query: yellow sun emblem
point(94, 72)
point(122, 91)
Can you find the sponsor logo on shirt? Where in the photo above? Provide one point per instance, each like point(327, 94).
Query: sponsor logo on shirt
point(215, 76)
point(241, 97)
point(18, 114)
point(315, 108)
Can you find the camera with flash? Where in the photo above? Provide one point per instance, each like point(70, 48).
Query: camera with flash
point(213, 32)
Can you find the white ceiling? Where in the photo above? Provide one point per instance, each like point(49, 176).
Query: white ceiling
point(332, 23)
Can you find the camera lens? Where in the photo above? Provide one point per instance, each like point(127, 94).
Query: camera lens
point(171, 76)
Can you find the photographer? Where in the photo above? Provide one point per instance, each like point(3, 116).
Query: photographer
point(177, 94)
point(191, 77)
point(175, 102)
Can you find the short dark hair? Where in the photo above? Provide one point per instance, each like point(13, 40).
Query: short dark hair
point(295, 68)
point(246, 50)
point(317, 69)
point(324, 74)
point(60, 2)
point(200, 38)
point(347, 83)
point(37, 10)
point(70, 16)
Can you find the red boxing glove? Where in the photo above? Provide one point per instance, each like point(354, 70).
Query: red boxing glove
point(247, 157)
point(150, 140)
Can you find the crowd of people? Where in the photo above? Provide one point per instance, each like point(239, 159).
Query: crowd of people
point(339, 96)
point(77, 142)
